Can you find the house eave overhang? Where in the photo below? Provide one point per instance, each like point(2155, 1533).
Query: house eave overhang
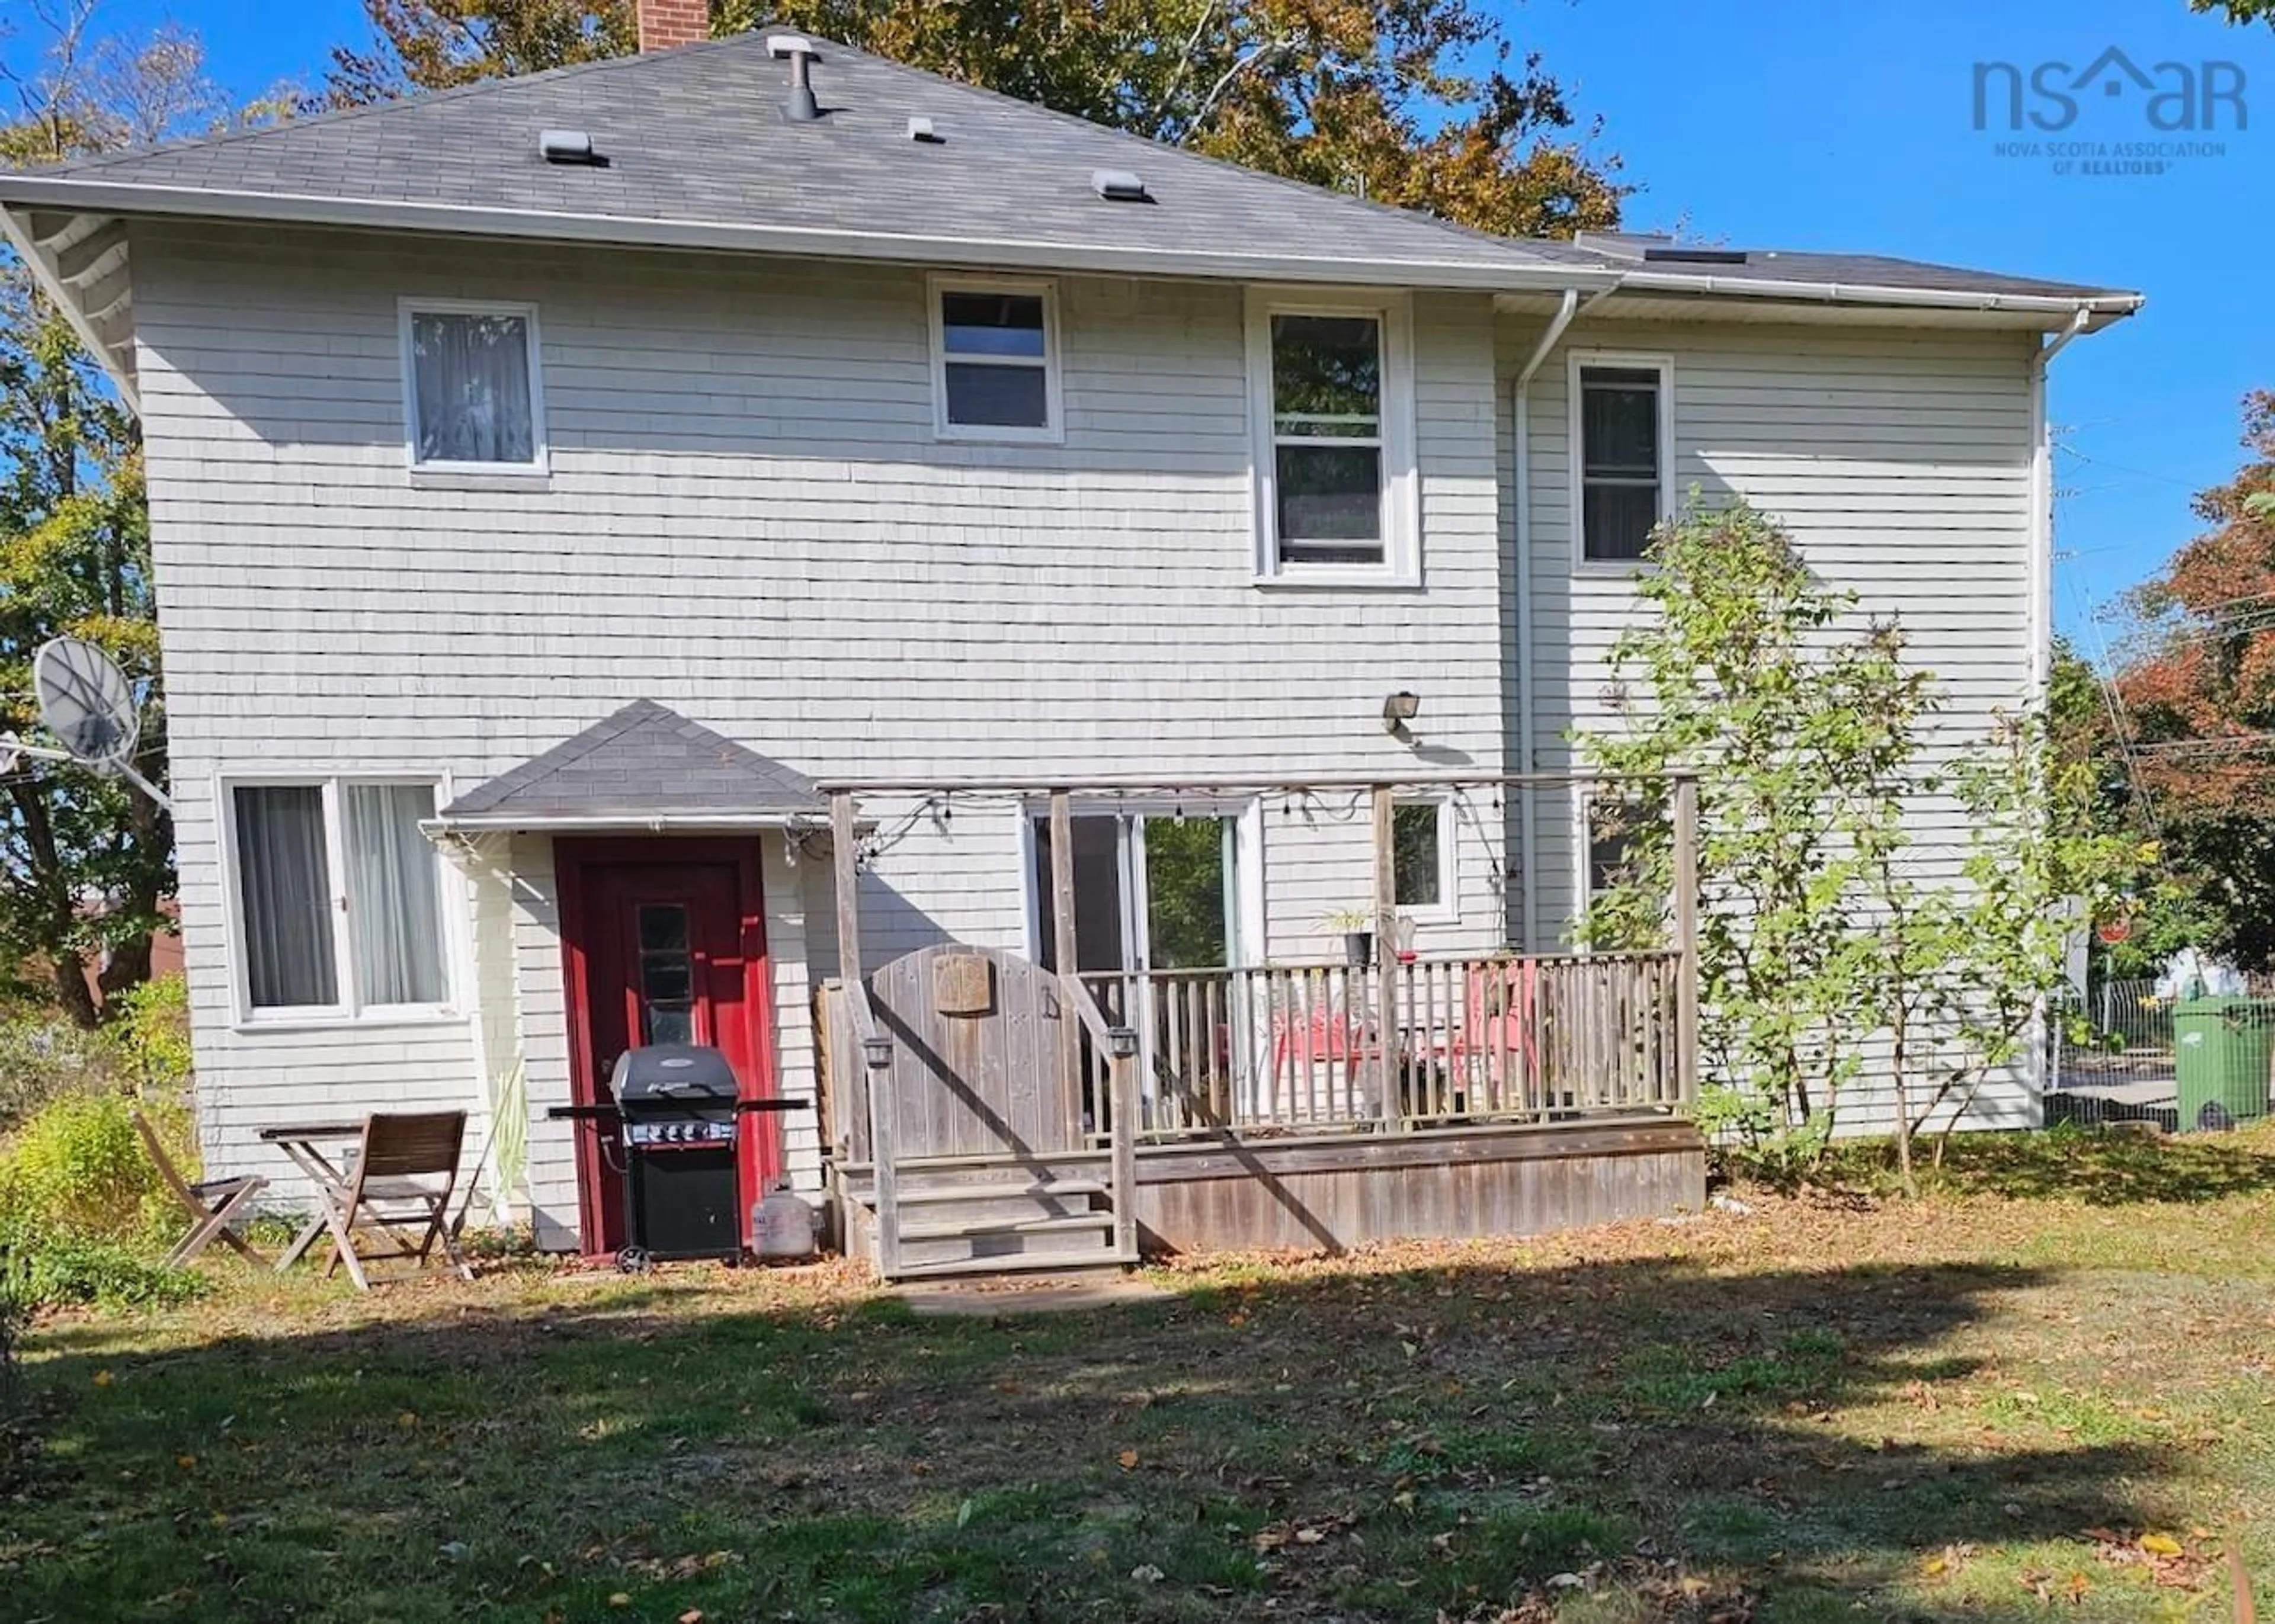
point(61, 194)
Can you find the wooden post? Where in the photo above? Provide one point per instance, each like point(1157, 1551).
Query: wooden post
point(1386, 944)
point(1123, 1076)
point(1066, 959)
point(845, 852)
point(1686, 938)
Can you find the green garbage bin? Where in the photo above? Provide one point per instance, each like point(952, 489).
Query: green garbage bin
point(2221, 1051)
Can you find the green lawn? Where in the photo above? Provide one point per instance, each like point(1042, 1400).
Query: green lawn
point(2046, 1390)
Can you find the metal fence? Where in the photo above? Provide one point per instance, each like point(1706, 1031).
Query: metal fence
point(2112, 1057)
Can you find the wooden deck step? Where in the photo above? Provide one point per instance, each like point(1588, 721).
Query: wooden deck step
point(911, 1194)
point(951, 1230)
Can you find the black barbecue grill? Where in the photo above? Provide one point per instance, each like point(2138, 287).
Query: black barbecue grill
point(681, 1116)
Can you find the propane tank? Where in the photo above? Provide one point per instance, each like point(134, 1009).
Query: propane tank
point(782, 1226)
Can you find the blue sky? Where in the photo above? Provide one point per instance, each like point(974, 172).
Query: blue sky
point(1836, 124)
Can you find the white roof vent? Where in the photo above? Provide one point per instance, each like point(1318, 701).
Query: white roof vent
point(920, 130)
point(1119, 186)
point(789, 45)
point(569, 147)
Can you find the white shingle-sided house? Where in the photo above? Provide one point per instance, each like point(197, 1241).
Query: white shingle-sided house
point(568, 492)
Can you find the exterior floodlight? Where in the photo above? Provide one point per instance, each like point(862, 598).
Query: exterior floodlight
point(1398, 710)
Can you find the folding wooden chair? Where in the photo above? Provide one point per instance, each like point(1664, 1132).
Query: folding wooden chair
point(399, 1184)
point(212, 1203)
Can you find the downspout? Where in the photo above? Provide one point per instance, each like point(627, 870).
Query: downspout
point(1521, 485)
point(2042, 506)
point(2041, 606)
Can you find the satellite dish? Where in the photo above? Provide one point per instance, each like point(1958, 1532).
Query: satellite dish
point(88, 705)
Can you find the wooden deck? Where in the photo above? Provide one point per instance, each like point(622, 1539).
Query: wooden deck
point(1333, 1191)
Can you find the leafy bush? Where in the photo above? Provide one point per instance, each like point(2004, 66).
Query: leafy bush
point(152, 1032)
point(83, 1209)
point(79, 1168)
point(43, 1270)
point(43, 1058)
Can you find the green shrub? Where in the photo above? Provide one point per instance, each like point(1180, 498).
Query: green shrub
point(42, 1271)
point(78, 1168)
point(43, 1058)
point(83, 1211)
point(151, 1031)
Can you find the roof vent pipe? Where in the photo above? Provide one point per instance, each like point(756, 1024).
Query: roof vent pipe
point(801, 108)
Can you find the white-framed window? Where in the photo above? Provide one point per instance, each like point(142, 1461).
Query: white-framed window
point(336, 898)
point(473, 390)
point(1623, 449)
point(1331, 401)
point(996, 359)
point(1422, 858)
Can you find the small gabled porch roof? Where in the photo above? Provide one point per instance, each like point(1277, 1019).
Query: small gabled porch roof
point(644, 769)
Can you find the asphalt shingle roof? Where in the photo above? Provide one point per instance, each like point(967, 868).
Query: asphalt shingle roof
point(1638, 252)
point(698, 154)
point(697, 135)
point(644, 762)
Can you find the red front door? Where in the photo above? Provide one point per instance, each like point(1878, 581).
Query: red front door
point(666, 943)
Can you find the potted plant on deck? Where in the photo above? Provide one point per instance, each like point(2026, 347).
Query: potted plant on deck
point(1356, 926)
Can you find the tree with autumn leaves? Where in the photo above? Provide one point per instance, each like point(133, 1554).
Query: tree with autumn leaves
point(2190, 739)
point(1419, 103)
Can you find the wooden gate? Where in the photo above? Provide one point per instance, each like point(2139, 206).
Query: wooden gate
point(982, 1142)
point(981, 1053)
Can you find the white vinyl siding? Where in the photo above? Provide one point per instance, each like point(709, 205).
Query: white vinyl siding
point(750, 518)
point(1899, 460)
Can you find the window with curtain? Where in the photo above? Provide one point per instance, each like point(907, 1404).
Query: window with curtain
point(351, 929)
point(394, 892)
point(1622, 499)
point(1326, 438)
point(285, 895)
point(473, 392)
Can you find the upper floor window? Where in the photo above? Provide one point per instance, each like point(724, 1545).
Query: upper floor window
point(996, 359)
point(339, 898)
point(1622, 425)
point(473, 395)
point(1332, 399)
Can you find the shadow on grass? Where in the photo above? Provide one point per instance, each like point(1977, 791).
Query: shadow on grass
point(1357, 1446)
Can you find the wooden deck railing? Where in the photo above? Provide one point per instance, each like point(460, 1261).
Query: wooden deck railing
point(1307, 1046)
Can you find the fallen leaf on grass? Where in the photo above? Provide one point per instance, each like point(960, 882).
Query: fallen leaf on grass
point(1127, 1460)
point(620, 1599)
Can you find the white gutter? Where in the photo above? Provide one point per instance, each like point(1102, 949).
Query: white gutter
point(1521, 495)
point(618, 823)
point(1867, 293)
point(60, 192)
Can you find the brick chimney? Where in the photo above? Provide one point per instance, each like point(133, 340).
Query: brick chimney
point(666, 22)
